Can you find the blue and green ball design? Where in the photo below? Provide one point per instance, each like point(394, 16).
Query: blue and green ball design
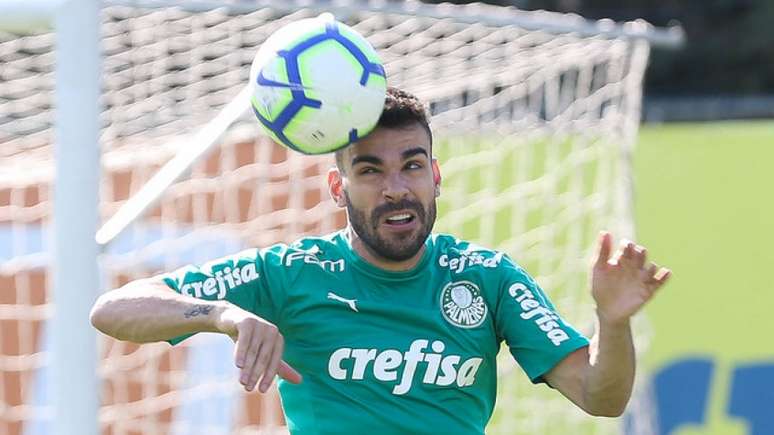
point(318, 86)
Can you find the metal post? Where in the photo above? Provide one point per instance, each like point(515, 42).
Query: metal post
point(75, 273)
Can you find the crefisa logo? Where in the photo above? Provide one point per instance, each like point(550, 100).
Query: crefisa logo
point(462, 304)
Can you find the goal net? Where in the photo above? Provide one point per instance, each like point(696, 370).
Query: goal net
point(535, 116)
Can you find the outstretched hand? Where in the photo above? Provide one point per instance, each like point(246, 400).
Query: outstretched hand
point(258, 350)
point(623, 283)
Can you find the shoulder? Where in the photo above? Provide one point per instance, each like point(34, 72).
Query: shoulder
point(493, 269)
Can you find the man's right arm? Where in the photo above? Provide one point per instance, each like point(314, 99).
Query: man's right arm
point(148, 310)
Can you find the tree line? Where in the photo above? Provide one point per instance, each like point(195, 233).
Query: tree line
point(729, 46)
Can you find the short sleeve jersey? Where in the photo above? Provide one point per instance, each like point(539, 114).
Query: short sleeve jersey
point(390, 352)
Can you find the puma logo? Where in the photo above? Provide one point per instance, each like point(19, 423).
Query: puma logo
point(350, 302)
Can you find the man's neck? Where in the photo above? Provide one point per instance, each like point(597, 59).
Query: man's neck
point(376, 260)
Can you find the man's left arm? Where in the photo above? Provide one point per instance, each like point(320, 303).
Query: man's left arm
point(599, 378)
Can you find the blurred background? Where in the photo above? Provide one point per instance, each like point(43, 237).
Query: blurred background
point(544, 139)
point(704, 205)
point(725, 69)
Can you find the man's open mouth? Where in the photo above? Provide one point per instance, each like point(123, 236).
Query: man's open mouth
point(400, 219)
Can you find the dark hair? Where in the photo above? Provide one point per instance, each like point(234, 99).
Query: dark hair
point(401, 109)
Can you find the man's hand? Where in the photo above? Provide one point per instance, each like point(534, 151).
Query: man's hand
point(599, 378)
point(621, 285)
point(258, 351)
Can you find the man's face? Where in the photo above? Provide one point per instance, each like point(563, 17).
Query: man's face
point(389, 189)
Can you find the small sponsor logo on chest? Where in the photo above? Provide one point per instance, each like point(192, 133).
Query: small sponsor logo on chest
point(307, 258)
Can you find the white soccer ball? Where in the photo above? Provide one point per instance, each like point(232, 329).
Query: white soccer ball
point(317, 85)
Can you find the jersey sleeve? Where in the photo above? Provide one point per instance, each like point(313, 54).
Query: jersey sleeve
point(537, 336)
point(244, 279)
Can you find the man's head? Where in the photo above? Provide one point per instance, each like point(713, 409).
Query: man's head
point(388, 180)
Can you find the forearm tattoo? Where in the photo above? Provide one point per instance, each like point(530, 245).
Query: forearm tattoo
point(198, 310)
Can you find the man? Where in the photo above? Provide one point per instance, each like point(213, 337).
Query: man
point(394, 329)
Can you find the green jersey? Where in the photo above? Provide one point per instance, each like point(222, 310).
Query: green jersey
point(390, 352)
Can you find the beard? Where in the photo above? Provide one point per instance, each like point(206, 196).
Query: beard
point(397, 247)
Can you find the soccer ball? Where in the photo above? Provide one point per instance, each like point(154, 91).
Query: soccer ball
point(317, 85)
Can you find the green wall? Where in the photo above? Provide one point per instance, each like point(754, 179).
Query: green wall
point(705, 208)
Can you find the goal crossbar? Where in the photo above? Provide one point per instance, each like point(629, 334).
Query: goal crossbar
point(473, 13)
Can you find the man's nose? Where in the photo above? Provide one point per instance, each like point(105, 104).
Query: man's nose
point(395, 187)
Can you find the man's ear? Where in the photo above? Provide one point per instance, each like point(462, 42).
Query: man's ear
point(336, 187)
point(436, 177)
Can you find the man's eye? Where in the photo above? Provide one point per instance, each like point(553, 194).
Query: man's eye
point(368, 171)
point(413, 165)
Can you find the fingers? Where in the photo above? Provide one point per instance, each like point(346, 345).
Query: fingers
point(627, 250)
point(278, 366)
point(663, 276)
point(632, 254)
point(268, 335)
point(605, 246)
point(635, 255)
point(253, 353)
point(289, 373)
point(271, 369)
point(242, 346)
point(259, 356)
point(651, 271)
point(657, 276)
point(640, 256)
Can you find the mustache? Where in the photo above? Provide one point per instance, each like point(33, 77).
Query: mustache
point(390, 207)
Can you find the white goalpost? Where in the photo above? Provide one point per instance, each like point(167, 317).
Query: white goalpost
point(535, 115)
point(73, 271)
